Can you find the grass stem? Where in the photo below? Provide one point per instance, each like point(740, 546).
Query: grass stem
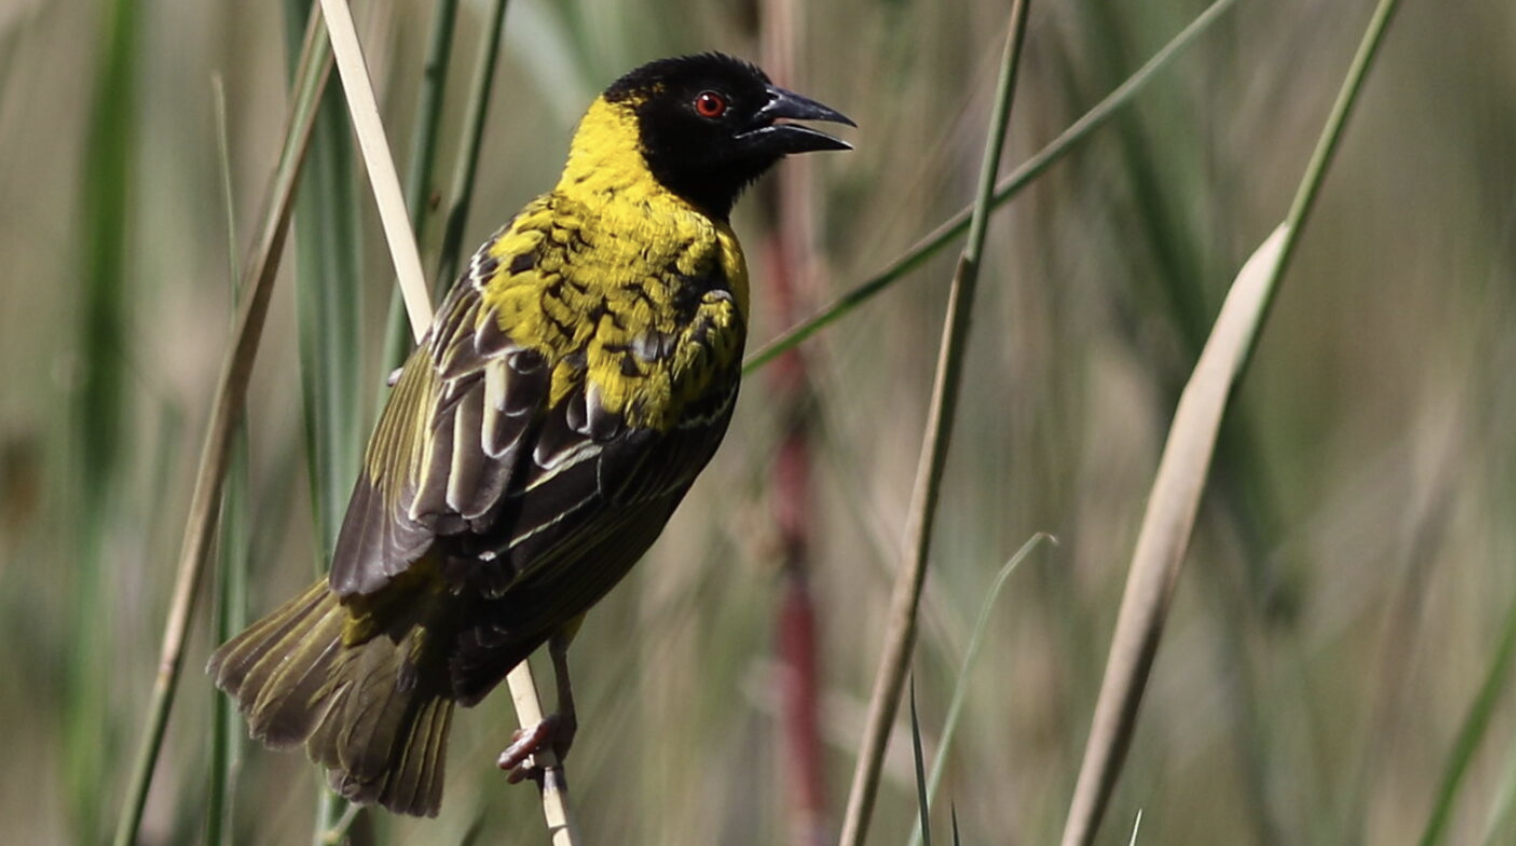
point(1473, 731)
point(472, 133)
point(228, 611)
point(970, 658)
point(900, 638)
point(1033, 168)
point(418, 180)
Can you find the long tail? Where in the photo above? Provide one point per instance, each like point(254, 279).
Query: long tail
point(371, 712)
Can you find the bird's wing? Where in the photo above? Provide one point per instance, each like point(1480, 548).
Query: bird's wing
point(500, 446)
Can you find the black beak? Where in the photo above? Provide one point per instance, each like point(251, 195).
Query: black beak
point(787, 138)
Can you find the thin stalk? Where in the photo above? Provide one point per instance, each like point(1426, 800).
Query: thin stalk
point(472, 132)
point(328, 300)
point(1502, 818)
point(363, 108)
point(228, 616)
point(901, 637)
point(1475, 726)
point(555, 809)
point(1167, 526)
point(923, 812)
point(1176, 285)
point(229, 611)
point(100, 406)
point(328, 296)
point(1326, 148)
point(970, 658)
point(955, 226)
point(230, 400)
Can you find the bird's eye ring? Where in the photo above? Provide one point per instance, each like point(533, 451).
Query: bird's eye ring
point(709, 104)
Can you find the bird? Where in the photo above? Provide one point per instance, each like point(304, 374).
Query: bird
point(576, 379)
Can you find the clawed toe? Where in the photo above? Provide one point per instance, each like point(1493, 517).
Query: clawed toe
point(520, 758)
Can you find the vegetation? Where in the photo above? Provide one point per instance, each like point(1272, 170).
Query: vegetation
point(1334, 667)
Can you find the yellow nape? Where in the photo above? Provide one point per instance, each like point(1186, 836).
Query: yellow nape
point(607, 172)
point(606, 156)
point(612, 260)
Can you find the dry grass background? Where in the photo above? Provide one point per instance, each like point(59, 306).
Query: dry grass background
point(1352, 567)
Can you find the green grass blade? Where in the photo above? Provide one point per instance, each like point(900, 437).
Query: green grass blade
point(228, 614)
point(328, 302)
point(1502, 818)
point(1326, 148)
point(100, 404)
point(472, 133)
point(923, 812)
point(108, 186)
point(965, 670)
point(418, 182)
point(439, 52)
point(1010, 186)
point(328, 297)
point(1475, 727)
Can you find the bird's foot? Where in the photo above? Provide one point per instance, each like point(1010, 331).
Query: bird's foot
point(521, 760)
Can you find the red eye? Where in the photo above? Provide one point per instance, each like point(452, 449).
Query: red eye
point(709, 104)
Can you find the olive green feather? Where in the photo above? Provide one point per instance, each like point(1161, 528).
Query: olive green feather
point(366, 707)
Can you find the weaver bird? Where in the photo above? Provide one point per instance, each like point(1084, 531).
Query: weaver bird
point(575, 381)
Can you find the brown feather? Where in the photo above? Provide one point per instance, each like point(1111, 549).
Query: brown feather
point(374, 712)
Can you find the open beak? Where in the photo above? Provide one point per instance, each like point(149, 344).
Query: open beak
point(787, 138)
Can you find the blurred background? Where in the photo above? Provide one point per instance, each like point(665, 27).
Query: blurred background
point(1351, 575)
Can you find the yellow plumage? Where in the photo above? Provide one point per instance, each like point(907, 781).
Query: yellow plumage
point(643, 242)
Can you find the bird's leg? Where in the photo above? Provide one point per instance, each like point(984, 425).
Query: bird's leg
point(568, 719)
point(556, 729)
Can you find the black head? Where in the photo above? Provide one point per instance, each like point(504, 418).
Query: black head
point(708, 125)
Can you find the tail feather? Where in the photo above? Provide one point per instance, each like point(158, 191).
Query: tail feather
point(364, 710)
point(372, 714)
point(413, 783)
point(239, 658)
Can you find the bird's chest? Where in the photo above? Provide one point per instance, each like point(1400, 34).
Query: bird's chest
point(642, 309)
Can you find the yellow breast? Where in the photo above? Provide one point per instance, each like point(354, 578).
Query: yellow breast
point(629, 292)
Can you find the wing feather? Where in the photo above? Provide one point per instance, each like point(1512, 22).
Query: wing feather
point(469, 458)
point(497, 449)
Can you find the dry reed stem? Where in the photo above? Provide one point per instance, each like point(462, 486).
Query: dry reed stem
point(555, 811)
point(363, 106)
point(1165, 535)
